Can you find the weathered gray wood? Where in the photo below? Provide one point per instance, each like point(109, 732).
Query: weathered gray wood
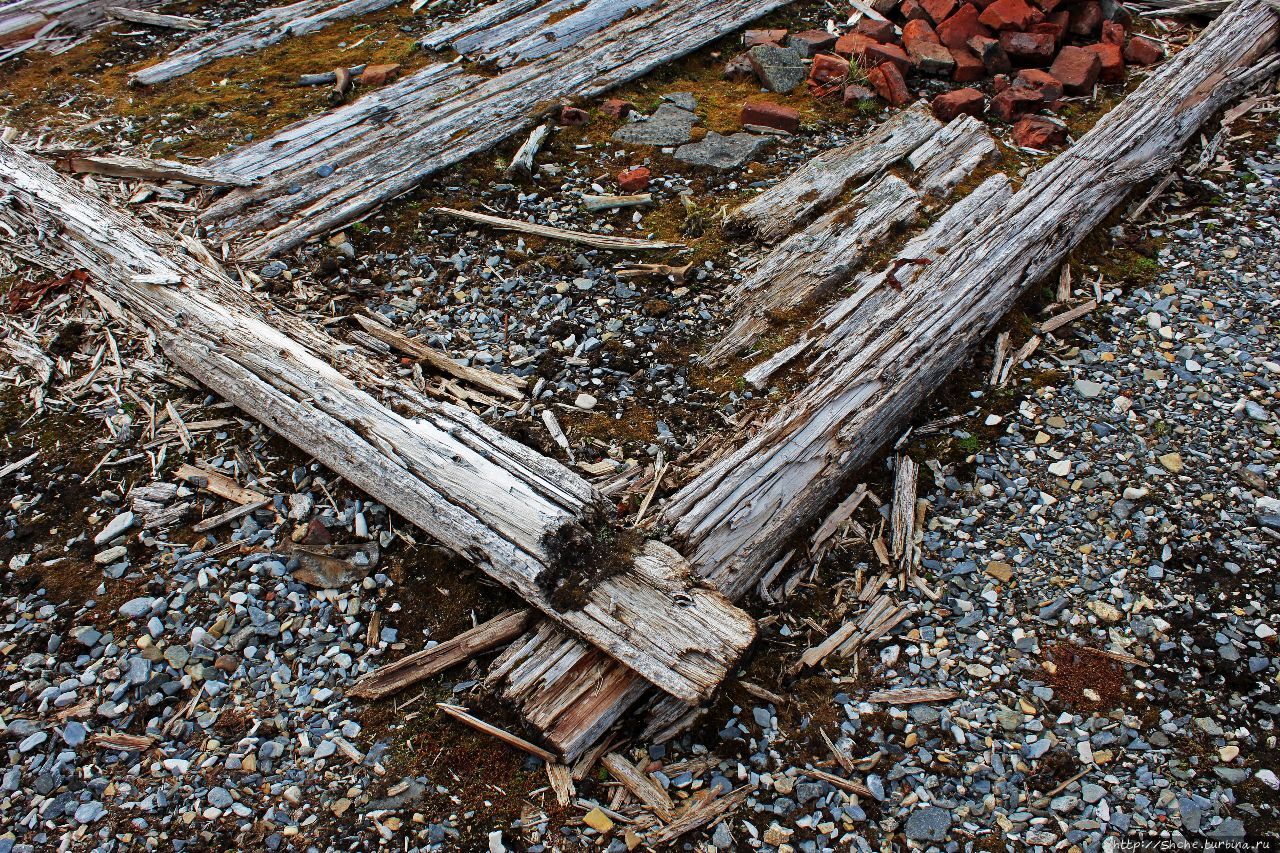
point(121, 166)
point(373, 161)
point(880, 351)
point(951, 155)
point(54, 26)
point(252, 34)
point(521, 164)
point(523, 519)
point(598, 241)
point(152, 19)
point(796, 200)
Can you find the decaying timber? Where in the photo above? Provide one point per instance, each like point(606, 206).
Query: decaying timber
point(323, 172)
point(252, 34)
point(54, 26)
point(880, 351)
point(525, 520)
point(121, 166)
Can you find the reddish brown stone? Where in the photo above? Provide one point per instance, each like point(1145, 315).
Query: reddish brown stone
point(1010, 15)
point(963, 25)
point(1053, 28)
point(1038, 133)
point(962, 101)
point(1049, 87)
point(1143, 51)
point(938, 10)
point(1113, 32)
point(1015, 102)
point(827, 74)
point(751, 38)
point(1112, 62)
point(887, 80)
point(870, 53)
point(769, 114)
point(811, 42)
point(316, 535)
point(1078, 69)
point(739, 69)
point(376, 75)
point(1028, 48)
point(991, 54)
point(1048, 6)
point(634, 180)
point(917, 32)
point(969, 68)
point(881, 31)
point(855, 95)
point(933, 59)
point(911, 10)
point(1086, 18)
point(617, 108)
point(1000, 82)
point(573, 116)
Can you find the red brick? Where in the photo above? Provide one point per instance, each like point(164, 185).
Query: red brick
point(1143, 51)
point(1016, 102)
point(751, 38)
point(1028, 48)
point(916, 32)
point(376, 75)
point(930, 57)
point(1053, 28)
point(963, 25)
point(1039, 133)
point(1049, 87)
point(1078, 69)
point(938, 10)
point(617, 108)
point(1048, 6)
point(911, 10)
point(999, 83)
point(573, 116)
point(1086, 18)
point(1112, 62)
point(962, 101)
point(881, 31)
point(855, 95)
point(888, 82)
point(969, 68)
point(812, 42)
point(768, 114)
point(870, 53)
point(991, 54)
point(1010, 15)
point(634, 180)
point(1113, 32)
point(827, 74)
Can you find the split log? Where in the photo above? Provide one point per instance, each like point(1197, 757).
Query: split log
point(54, 26)
point(435, 118)
point(409, 670)
point(641, 785)
point(597, 241)
point(795, 201)
point(152, 19)
point(523, 519)
point(460, 714)
point(521, 164)
point(121, 166)
point(881, 351)
point(254, 33)
point(951, 155)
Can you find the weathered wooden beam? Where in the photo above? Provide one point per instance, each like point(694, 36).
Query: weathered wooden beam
point(523, 519)
point(153, 19)
point(878, 353)
point(325, 171)
point(122, 166)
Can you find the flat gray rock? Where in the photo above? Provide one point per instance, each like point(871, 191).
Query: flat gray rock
point(721, 152)
point(780, 69)
point(928, 824)
point(669, 125)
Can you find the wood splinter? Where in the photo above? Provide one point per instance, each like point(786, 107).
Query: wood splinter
point(460, 714)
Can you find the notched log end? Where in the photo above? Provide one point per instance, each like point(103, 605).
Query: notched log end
point(581, 555)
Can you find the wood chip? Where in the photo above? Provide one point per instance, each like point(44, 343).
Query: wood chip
point(120, 740)
point(460, 713)
point(219, 484)
point(1058, 321)
point(230, 515)
point(641, 785)
point(508, 386)
point(839, 781)
point(599, 241)
point(912, 695)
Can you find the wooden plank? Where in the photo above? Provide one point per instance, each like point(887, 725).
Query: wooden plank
point(507, 386)
point(219, 484)
point(120, 166)
point(152, 19)
point(598, 241)
point(409, 670)
point(527, 521)
point(641, 785)
point(216, 521)
point(912, 695)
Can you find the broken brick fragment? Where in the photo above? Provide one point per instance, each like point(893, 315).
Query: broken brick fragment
point(956, 31)
point(1113, 32)
point(881, 31)
point(811, 42)
point(1015, 102)
point(634, 180)
point(918, 32)
point(991, 54)
point(1028, 48)
point(1112, 62)
point(855, 95)
point(938, 10)
point(827, 74)
point(377, 75)
point(1078, 69)
point(769, 114)
point(1010, 15)
point(617, 108)
point(969, 68)
point(1086, 18)
point(870, 53)
point(928, 55)
point(573, 116)
point(751, 38)
point(1053, 28)
point(1048, 6)
point(1143, 51)
point(1038, 133)
point(912, 10)
point(886, 78)
point(959, 102)
point(1049, 86)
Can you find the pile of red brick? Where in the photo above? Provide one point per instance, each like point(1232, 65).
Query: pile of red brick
point(1034, 52)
